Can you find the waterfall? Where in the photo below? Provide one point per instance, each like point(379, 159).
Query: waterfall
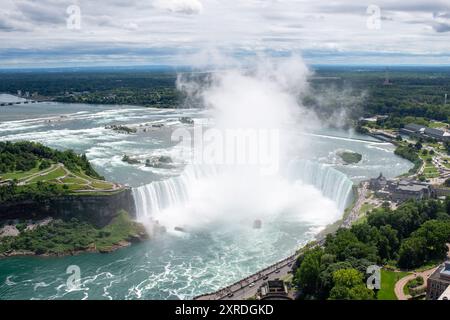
point(333, 184)
point(159, 195)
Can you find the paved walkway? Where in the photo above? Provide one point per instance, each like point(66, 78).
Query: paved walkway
point(355, 213)
point(425, 275)
point(403, 281)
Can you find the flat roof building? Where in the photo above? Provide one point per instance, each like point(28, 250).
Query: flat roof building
point(415, 127)
point(445, 295)
point(400, 190)
point(274, 290)
point(438, 282)
point(437, 134)
point(417, 130)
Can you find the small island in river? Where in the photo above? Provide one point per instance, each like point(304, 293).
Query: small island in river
point(350, 157)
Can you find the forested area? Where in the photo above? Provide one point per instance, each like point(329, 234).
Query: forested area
point(24, 156)
point(411, 93)
point(409, 237)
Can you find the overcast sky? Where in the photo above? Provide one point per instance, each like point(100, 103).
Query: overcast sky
point(184, 32)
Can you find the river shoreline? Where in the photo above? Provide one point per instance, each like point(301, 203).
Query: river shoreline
point(122, 244)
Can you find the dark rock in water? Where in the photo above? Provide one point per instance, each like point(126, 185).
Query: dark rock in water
point(186, 120)
point(159, 162)
point(129, 160)
point(157, 125)
point(257, 224)
point(121, 128)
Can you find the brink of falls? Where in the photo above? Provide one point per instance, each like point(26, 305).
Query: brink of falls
point(152, 199)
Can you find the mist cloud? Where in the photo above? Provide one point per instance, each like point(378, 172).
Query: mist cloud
point(180, 6)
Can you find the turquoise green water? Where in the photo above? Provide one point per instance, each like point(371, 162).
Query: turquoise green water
point(173, 266)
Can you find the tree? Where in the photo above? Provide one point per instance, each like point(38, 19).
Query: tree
point(345, 245)
point(412, 253)
point(436, 234)
point(447, 183)
point(388, 242)
point(307, 275)
point(447, 146)
point(349, 285)
point(418, 145)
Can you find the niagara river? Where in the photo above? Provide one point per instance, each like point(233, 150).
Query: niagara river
point(221, 246)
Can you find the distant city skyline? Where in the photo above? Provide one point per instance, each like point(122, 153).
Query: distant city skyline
point(61, 33)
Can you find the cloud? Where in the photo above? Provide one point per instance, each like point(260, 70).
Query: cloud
point(180, 6)
point(239, 27)
point(441, 27)
point(41, 12)
point(6, 26)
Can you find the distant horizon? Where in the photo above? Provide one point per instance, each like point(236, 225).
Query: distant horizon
point(165, 67)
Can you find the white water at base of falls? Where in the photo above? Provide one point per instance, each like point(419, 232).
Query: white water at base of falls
point(280, 194)
point(333, 184)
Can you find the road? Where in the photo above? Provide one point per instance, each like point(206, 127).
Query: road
point(249, 286)
point(356, 210)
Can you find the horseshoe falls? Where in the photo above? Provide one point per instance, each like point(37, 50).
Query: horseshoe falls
point(156, 198)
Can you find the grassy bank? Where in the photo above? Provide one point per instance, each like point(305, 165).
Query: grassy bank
point(388, 281)
point(72, 236)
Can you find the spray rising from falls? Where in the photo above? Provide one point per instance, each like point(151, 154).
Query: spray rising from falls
point(249, 102)
point(204, 194)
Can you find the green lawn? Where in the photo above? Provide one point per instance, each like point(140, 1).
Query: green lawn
point(52, 175)
point(388, 281)
point(19, 174)
point(73, 180)
point(447, 164)
point(437, 124)
point(102, 185)
point(366, 207)
point(431, 172)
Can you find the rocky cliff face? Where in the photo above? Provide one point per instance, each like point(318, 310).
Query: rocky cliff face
point(98, 209)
